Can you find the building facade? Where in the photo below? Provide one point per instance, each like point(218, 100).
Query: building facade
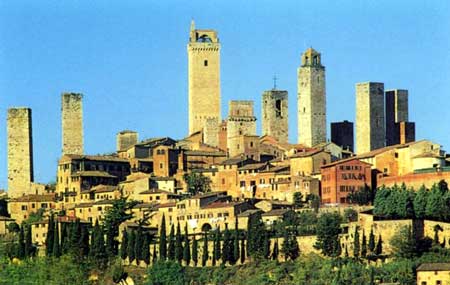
point(204, 78)
point(241, 122)
point(20, 152)
point(370, 126)
point(311, 100)
point(275, 114)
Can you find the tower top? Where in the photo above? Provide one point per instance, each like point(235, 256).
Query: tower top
point(192, 25)
point(202, 36)
point(311, 57)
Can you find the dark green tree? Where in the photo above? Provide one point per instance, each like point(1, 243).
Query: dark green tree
point(119, 212)
point(84, 241)
point(214, 253)
point(290, 247)
point(371, 241)
point(171, 250)
point(21, 246)
point(197, 183)
point(205, 254)
point(217, 248)
point(266, 249)
point(255, 235)
point(314, 202)
point(356, 244)
point(29, 249)
point(186, 247)
point(242, 255)
point(404, 243)
point(328, 230)
point(195, 251)
point(379, 247)
point(363, 196)
point(364, 245)
point(97, 251)
point(124, 245)
point(155, 254)
point(131, 243)
point(56, 247)
point(138, 245)
point(298, 200)
point(163, 240)
point(146, 249)
point(436, 208)
point(346, 251)
point(227, 248)
point(63, 238)
point(50, 236)
point(75, 236)
point(178, 244)
point(275, 251)
point(420, 202)
point(235, 243)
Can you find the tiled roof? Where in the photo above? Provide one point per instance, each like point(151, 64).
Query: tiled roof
point(220, 204)
point(103, 188)
point(275, 213)
point(434, 267)
point(166, 205)
point(249, 212)
point(254, 166)
point(93, 173)
point(35, 198)
point(156, 191)
point(204, 153)
point(96, 157)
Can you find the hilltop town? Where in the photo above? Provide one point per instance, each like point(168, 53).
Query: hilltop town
point(224, 177)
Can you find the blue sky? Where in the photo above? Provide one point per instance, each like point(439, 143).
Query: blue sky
point(130, 61)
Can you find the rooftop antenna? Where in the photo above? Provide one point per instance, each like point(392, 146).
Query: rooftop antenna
point(275, 81)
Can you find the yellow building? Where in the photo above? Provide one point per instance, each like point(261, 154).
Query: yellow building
point(433, 274)
point(21, 208)
point(309, 162)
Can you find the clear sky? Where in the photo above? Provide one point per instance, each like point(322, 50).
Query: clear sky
point(129, 59)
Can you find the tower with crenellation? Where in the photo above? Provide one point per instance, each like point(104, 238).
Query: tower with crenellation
point(204, 83)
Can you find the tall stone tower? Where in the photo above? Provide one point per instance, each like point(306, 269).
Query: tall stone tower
point(204, 80)
point(241, 120)
point(20, 152)
point(275, 114)
point(396, 112)
point(72, 123)
point(311, 100)
point(125, 139)
point(370, 127)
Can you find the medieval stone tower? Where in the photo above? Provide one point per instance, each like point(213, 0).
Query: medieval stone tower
point(241, 121)
point(275, 114)
point(204, 82)
point(370, 126)
point(311, 100)
point(396, 111)
point(20, 152)
point(72, 123)
point(126, 139)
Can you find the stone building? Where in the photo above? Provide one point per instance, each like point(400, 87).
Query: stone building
point(241, 121)
point(311, 100)
point(126, 139)
point(211, 132)
point(370, 126)
point(204, 78)
point(405, 132)
point(342, 134)
point(396, 111)
point(20, 152)
point(433, 273)
point(275, 114)
point(72, 123)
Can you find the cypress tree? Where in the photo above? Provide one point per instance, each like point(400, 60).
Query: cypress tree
point(255, 235)
point(235, 245)
point(214, 253)
point(356, 245)
point(97, 251)
point(56, 248)
point(21, 248)
point(178, 244)
point(346, 251)
point(155, 257)
point(131, 243)
point(227, 248)
point(205, 254)
point(243, 251)
point(379, 247)
point(162, 240)
point(195, 251)
point(364, 245)
point(50, 236)
point(138, 245)
point(171, 254)
point(186, 248)
point(124, 245)
point(84, 241)
point(275, 250)
point(63, 238)
point(266, 250)
point(28, 242)
point(217, 247)
point(371, 241)
point(75, 236)
point(146, 249)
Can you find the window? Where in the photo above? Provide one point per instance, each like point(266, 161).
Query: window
point(223, 180)
point(161, 165)
point(205, 63)
point(33, 205)
point(251, 144)
point(24, 208)
point(396, 155)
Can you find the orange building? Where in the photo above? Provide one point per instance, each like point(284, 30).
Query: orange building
point(343, 177)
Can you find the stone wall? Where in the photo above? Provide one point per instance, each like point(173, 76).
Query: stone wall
point(275, 114)
point(20, 152)
point(72, 123)
point(126, 139)
point(211, 132)
point(241, 122)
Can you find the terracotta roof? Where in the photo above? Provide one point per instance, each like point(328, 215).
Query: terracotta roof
point(146, 205)
point(221, 204)
point(249, 212)
point(153, 142)
point(254, 166)
point(384, 149)
point(237, 160)
point(344, 161)
point(204, 153)
point(307, 153)
point(428, 155)
point(93, 173)
point(35, 198)
point(3, 218)
point(63, 219)
point(156, 191)
point(95, 157)
point(434, 267)
point(161, 178)
point(275, 213)
point(166, 205)
point(103, 188)
point(277, 168)
point(210, 194)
